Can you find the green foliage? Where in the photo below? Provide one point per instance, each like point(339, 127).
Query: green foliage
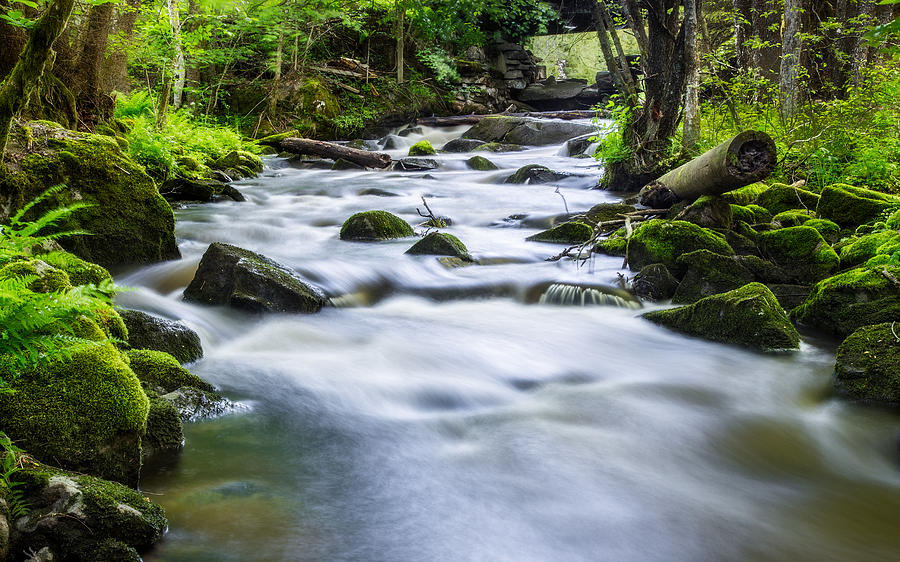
point(613, 148)
point(20, 236)
point(138, 103)
point(440, 63)
point(9, 466)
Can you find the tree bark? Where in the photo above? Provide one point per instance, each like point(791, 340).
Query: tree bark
point(335, 151)
point(790, 60)
point(765, 21)
point(115, 69)
point(742, 32)
point(401, 25)
point(276, 80)
point(179, 71)
point(861, 48)
point(16, 89)
point(691, 125)
point(88, 93)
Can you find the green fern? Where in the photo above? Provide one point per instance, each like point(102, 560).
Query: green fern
point(9, 466)
point(20, 236)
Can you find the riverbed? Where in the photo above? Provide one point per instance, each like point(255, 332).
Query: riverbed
point(439, 414)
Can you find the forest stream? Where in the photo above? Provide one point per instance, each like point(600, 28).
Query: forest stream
point(439, 414)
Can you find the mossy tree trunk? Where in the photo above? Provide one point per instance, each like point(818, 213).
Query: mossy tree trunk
point(89, 97)
point(16, 89)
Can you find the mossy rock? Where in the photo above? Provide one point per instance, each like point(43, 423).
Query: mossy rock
point(866, 247)
point(129, 221)
point(850, 206)
point(526, 131)
point(375, 225)
point(498, 147)
point(110, 322)
point(165, 433)
point(780, 197)
point(440, 244)
point(159, 369)
point(654, 282)
point(707, 274)
point(793, 217)
point(566, 233)
point(867, 366)
point(151, 332)
point(749, 316)
point(462, 145)
point(87, 413)
point(535, 173)
point(80, 272)
point(615, 245)
point(237, 159)
point(850, 300)
point(343, 164)
point(830, 231)
point(422, 148)
point(790, 295)
point(48, 278)
point(744, 195)
point(742, 213)
point(709, 212)
point(480, 163)
point(893, 221)
point(800, 251)
point(604, 212)
point(275, 140)
point(77, 517)
point(760, 214)
point(663, 241)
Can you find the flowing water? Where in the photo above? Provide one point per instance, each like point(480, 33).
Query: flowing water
point(444, 414)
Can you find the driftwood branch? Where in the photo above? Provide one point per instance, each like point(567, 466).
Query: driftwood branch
point(335, 151)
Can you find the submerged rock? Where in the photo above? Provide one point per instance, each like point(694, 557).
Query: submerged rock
point(526, 131)
point(152, 332)
point(654, 282)
point(250, 281)
point(749, 316)
point(375, 225)
point(415, 164)
point(867, 366)
point(535, 173)
point(480, 163)
point(565, 233)
point(194, 404)
point(440, 244)
point(663, 241)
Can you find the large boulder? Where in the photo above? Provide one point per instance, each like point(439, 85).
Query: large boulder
point(440, 244)
point(654, 282)
point(707, 274)
point(851, 206)
point(708, 212)
point(73, 517)
point(744, 195)
point(165, 432)
point(162, 371)
point(375, 225)
point(749, 316)
point(862, 249)
point(850, 300)
point(129, 222)
point(573, 232)
point(867, 366)
point(800, 251)
point(663, 241)
point(462, 145)
point(535, 173)
point(152, 332)
point(780, 197)
point(526, 131)
point(250, 281)
point(87, 413)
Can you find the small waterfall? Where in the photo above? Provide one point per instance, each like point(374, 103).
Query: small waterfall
point(575, 295)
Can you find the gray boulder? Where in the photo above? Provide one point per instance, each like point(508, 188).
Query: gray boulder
point(526, 131)
point(152, 332)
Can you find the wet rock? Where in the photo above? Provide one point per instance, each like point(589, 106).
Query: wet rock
point(707, 274)
point(708, 212)
point(194, 404)
point(185, 189)
point(569, 294)
point(152, 332)
point(377, 192)
point(165, 433)
point(375, 225)
point(867, 366)
point(790, 295)
point(535, 173)
point(462, 145)
point(249, 281)
point(237, 159)
point(614, 245)
point(232, 193)
point(850, 206)
point(604, 212)
point(440, 244)
point(565, 233)
point(499, 147)
point(415, 164)
point(526, 131)
point(160, 369)
point(663, 241)
point(421, 148)
point(800, 251)
point(411, 131)
point(749, 316)
point(480, 163)
point(393, 142)
point(654, 282)
point(342, 164)
point(578, 145)
point(850, 300)
point(780, 197)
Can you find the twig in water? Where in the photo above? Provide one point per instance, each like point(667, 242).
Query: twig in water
point(566, 205)
point(433, 220)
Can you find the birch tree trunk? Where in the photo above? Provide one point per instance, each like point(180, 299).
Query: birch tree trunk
point(861, 48)
point(179, 70)
point(276, 80)
point(741, 10)
point(790, 59)
point(691, 123)
point(401, 25)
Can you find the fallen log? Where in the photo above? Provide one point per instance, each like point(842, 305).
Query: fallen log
point(453, 120)
point(746, 158)
point(335, 151)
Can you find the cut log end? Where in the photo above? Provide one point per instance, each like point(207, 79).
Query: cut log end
point(751, 156)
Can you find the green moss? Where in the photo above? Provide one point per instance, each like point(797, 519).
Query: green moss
point(654, 282)
point(800, 251)
point(708, 273)
point(164, 429)
point(480, 163)
point(440, 244)
point(240, 159)
point(852, 299)
point(604, 212)
point(744, 195)
point(110, 322)
point(749, 316)
point(868, 246)
point(830, 231)
point(780, 197)
point(760, 214)
point(87, 413)
point(615, 245)
point(867, 366)
point(565, 233)
point(793, 217)
point(741, 213)
point(499, 147)
point(850, 206)
point(375, 225)
point(421, 148)
point(162, 370)
point(709, 212)
point(893, 221)
point(275, 140)
point(662, 241)
point(49, 279)
point(80, 272)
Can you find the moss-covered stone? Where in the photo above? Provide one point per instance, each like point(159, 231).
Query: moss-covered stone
point(76, 516)
point(498, 147)
point(160, 369)
point(440, 244)
point(526, 131)
point(830, 231)
point(749, 316)
point(480, 163)
point(708, 273)
point(421, 148)
point(793, 217)
point(867, 366)
point(800, 251)
point(790, 295)
point(662, 241)
point(275, 140)
point(375, 225)
point(151, 332)
point(742, 213)
point(165, 433)
point(87, 413)
point(604, 212)
point(535, 173)
point(654, 282)
point(48, 278)
point(893, 221)
point(780, 197)
point(129, 221)
point(110, 322)
point(850, 300)
point(863, 248)
point(237, 159)
point(708, 212)
point(615, 245)
point(80, 272)
point(565, 233)
point(744, 195)
point(760, 214)
point(850, 206)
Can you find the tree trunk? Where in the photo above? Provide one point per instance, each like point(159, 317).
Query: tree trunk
point(790, 59)
point(765, 21)
point(276, 80)
point(335, 151)
point(89, 97)
point(115, 69)
point(691, 129)
point(16, 89)
point(742, 32)
point(861, 48)
point(179, 76)
point(614, 66)
point(401, 25)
